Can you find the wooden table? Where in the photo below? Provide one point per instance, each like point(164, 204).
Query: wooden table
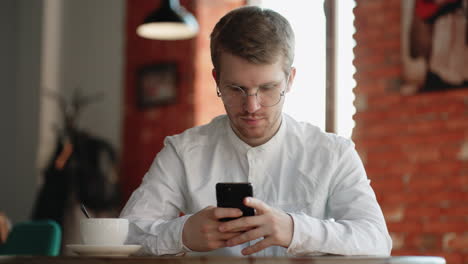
point(222, 260)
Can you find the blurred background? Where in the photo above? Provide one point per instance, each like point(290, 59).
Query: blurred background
point(86, 103)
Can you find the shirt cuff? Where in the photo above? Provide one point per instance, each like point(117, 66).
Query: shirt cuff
point(308, 235)
point(184, 247)
point(170, 240)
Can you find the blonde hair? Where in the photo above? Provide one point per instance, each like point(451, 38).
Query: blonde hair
point(258, 35)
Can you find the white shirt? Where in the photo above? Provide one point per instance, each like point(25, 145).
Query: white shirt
point(314, 176)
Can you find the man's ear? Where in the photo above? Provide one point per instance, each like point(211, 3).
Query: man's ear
point(215, 76)
point(292, 75)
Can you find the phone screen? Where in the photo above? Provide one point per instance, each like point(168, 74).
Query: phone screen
point(231, 195)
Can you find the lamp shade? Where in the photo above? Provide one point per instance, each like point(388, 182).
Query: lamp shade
point(169, 22)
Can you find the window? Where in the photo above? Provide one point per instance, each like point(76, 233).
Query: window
point(306, 101)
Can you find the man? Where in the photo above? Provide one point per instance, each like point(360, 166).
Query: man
point(311, 192)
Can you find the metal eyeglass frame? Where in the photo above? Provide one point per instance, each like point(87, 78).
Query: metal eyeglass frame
point(245, 94)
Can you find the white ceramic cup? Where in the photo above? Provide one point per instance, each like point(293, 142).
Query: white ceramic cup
point(104, 231)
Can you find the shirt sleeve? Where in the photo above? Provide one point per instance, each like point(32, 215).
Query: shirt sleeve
point(355, 224)
point(154, 208)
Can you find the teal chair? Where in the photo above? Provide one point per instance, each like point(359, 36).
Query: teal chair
point(40, 238)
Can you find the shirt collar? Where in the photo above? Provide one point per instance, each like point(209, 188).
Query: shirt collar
point(243, 147)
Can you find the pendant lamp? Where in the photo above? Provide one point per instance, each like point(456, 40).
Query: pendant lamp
point(169, 22)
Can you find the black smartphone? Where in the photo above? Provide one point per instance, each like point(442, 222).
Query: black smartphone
point(232, 194)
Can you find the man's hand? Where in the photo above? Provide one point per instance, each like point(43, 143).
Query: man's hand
point(4, 228)
point(275, 226)
point(201, 230)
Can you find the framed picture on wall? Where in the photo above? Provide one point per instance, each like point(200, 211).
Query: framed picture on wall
point(434, 45)
point(157, 85)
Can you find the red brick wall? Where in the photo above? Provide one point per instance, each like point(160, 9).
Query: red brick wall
point(145, 129)
point(415, 147)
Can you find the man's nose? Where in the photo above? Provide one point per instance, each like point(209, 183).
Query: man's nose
point(251, 104)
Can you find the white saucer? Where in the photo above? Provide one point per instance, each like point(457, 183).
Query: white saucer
point(93, 250)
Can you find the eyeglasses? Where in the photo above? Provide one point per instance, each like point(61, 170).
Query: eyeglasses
point(267, 96)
